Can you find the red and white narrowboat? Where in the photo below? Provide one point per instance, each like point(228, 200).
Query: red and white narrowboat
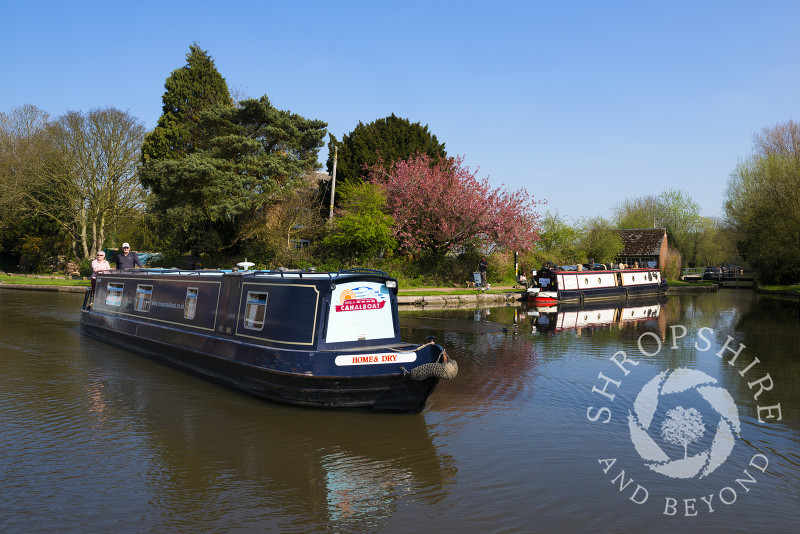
point(553, 285)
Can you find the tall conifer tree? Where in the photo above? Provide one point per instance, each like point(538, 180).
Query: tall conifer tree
point(189, 90)
point(212, 166)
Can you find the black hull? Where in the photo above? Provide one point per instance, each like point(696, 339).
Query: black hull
point(609, 293)
point(216, 359)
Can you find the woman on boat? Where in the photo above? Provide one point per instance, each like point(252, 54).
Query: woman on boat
point(99, 265)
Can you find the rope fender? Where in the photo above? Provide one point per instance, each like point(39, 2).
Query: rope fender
point(446, 370)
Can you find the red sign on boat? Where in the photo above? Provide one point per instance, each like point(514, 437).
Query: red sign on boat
point(360, 304)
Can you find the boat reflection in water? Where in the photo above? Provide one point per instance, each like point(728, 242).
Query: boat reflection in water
point(547, 319)
point(333, 468)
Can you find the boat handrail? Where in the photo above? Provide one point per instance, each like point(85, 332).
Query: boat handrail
point(170, 270)
point(570, 269)
point(261, 272)
point(283, 272)
point(359, 270)
point(301, 273)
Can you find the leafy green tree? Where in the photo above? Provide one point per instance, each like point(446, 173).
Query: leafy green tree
point(680, 215)
point(189, 90)
point(712, 244)
point(243, 158)
point(387, 140)
point(361, 228)
point(600, 242)
point(672, 209)
point(558, 242)
point(642, 212)
point(593, 239)
point(763, 204)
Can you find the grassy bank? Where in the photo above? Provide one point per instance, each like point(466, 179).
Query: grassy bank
point(783, 290)
point(32, 280)
point(460, 291)
point(411, 291)
point(35, 281)
point(677, 283)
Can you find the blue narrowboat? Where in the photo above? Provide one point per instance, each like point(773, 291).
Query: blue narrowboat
point(305, 338)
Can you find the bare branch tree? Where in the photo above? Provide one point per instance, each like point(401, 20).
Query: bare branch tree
point(80, 172)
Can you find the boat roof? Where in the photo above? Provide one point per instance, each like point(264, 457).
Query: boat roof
point(575, 271)
point(278, 273)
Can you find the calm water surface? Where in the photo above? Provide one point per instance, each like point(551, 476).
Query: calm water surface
point(95, 439)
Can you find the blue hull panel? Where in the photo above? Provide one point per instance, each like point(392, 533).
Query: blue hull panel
point(234, 364)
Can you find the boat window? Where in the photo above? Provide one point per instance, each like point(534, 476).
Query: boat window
point(142, 301)
point(190, 307)
point(114, 294)
point(255, 310)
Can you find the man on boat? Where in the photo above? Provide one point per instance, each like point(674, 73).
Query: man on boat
point(127, 259)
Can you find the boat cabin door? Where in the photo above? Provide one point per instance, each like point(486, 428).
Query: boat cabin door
point(229, 303)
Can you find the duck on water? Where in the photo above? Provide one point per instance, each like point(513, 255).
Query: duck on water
point(323, 339)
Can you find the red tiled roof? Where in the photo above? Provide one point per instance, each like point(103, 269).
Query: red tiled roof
point(642, 242)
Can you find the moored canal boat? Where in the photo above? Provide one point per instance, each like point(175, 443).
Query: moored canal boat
point(552, 284)
point(298, 337)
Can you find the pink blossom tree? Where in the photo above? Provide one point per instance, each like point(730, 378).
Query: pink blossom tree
point(443, 206)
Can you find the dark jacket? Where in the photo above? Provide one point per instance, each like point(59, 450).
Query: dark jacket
point(127, 262)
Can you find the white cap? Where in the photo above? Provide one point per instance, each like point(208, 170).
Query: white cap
point(126, 245)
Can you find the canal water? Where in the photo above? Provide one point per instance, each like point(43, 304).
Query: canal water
point(652, 417)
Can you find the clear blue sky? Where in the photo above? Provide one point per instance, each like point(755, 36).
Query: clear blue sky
point(584, 104)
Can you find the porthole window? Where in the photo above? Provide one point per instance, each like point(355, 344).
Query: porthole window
point(586, 281)
point(114, 295)
point(255, 310)
point(142, 301)
point(633, 278)
point(190, 306)
point(599, 279)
